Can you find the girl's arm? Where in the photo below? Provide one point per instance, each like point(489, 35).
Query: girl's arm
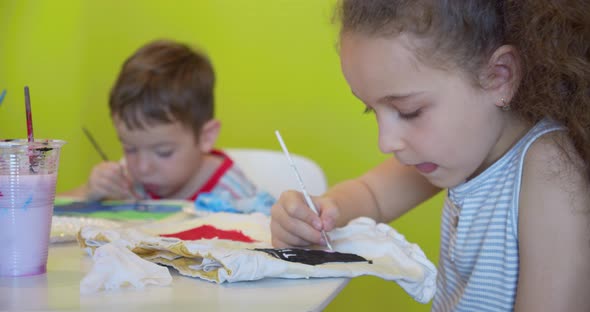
point(384, 193)
point(554, 231)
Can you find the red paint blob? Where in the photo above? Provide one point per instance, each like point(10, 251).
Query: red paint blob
point(209, 232)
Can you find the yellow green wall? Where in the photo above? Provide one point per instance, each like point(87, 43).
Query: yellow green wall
point(277, 67)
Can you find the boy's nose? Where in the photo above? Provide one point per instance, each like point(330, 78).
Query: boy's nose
point(391, 138)
point(143, 164)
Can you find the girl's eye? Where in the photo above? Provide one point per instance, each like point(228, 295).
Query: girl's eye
point(411, 115)
point(367, 110)
point(164, 154)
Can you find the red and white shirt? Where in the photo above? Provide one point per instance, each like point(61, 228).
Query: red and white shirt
point(228, 178)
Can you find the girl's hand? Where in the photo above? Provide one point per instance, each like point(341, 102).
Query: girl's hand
point(109, 181)
point(294, 224)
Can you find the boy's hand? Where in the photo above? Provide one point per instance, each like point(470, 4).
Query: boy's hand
point(294, 224)
point(109, 181)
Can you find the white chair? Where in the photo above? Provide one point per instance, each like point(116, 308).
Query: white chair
point(270, 170)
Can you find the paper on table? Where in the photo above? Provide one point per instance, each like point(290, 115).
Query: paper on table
point(387, 255)
point(122, 209)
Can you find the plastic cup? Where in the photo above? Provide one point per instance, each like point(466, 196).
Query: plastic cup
point(28, 172)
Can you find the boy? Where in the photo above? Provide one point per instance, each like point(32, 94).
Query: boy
point(162, 108)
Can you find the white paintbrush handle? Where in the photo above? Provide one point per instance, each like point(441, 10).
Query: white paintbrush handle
point(301, 185)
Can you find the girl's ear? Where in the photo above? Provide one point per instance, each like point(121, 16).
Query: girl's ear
point(208, 135)
point(503, 73)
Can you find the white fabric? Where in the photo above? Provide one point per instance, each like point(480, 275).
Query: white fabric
point(390, 256)
point(116, 266)
point(370, 240)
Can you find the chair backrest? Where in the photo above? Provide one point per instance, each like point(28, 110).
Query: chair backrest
point(270, 170)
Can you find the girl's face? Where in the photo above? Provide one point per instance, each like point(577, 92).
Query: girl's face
point(436, 120)
point(164, 158)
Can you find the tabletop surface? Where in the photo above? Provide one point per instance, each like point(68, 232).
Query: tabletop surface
point(59, 290)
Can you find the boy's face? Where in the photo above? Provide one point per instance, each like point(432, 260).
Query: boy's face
point(164, 158)
point(435, 120)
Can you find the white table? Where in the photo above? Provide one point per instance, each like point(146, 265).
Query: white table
point(58, 290)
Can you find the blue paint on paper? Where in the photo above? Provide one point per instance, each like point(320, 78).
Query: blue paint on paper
point(83, 207)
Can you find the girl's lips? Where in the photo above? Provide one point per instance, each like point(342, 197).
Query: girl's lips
point(426, 167)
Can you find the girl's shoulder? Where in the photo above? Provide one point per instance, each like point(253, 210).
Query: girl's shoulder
point(553, 158)
point(554, 186)
point(553, 223)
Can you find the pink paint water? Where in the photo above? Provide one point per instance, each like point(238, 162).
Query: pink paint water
point(26, 208)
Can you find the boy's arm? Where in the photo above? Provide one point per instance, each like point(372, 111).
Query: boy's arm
point(553, 232)
point(79, 192)
point(383, 193)
point(108, 180)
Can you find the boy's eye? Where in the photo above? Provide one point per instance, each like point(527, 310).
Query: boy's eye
point(411, 115)
point(129, 150)
point(164, 154)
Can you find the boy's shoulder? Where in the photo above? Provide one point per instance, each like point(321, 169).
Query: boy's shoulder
point(230, 176)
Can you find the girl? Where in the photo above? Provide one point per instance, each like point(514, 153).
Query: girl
point(489, 100)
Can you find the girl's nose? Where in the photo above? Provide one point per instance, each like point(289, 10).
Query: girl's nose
point(391, 138)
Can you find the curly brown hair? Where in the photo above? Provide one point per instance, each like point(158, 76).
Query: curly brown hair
point(163, 82)
point(552, 37)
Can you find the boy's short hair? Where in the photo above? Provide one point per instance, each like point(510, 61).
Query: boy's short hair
point(164, 82)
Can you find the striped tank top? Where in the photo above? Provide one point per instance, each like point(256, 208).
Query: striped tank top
point(478, 267)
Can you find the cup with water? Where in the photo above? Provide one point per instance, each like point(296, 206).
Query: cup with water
point(28, 173)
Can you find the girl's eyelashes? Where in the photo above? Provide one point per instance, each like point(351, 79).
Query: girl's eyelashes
point(411, 115)
point(367, 110)
point(406, 116)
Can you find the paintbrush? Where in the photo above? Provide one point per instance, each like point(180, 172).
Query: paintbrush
point(2, 95)
point(105, 158)
point(30, 136)
point(95, 144)
point(301, 185)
